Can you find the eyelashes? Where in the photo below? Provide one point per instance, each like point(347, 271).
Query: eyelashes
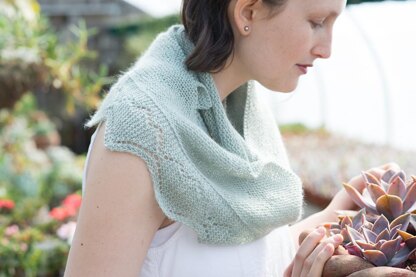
point(316, 24)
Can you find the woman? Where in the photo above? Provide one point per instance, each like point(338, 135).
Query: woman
point(187, 174)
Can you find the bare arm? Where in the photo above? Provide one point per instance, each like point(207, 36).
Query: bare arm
point(118, 217)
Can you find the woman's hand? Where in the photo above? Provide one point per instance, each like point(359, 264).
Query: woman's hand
point(312, 254)
point(342, 200)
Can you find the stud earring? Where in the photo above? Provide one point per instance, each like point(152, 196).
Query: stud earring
point(246, 28)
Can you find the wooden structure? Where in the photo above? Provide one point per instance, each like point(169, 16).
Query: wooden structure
point(101, 15)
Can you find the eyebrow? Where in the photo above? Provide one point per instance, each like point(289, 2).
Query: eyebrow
point(334, 13)
point(331, 13)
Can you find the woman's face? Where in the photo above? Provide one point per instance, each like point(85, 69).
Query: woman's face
point(277, 49)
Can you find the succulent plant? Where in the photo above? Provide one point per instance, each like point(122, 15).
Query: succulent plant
point(389, 196)
point(380, 242)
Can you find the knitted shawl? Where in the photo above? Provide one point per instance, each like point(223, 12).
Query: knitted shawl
point(218, 167)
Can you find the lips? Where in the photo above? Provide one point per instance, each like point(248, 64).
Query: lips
point(304, 67)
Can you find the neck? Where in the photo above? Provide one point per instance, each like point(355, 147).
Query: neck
point(229, 78)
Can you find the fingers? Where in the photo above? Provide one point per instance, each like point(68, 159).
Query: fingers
point(314, 264)
point(313, 254)
point(303, 235)
point(306, 248)
point(318, 265)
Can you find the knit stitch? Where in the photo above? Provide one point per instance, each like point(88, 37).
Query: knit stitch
point(218, 167)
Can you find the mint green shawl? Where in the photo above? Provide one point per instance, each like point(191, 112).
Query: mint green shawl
point(219, 168)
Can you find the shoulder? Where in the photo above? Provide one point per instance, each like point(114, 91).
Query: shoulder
point(118, 192)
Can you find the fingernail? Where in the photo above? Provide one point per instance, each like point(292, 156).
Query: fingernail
point(338, 238)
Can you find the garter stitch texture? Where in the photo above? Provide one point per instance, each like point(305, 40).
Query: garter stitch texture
point(219, 168)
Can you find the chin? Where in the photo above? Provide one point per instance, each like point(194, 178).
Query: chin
point(286, 88)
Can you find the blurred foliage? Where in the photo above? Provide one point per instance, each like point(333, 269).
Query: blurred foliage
point(300, 129)
point(138, 36)
point(37, 174)
point(32, 59)
point(33, 183)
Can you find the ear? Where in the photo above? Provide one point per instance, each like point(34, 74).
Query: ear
point(244, 12)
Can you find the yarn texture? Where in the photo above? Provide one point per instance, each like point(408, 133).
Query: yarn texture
point(219, 167)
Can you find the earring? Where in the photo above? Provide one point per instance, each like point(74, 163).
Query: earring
point(246, 28)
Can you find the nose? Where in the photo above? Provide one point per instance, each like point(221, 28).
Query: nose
point(322, 49)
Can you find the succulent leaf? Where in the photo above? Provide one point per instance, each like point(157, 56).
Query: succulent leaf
point(354, 250)
point(400, 257)
point(354, 235)
point(346, 221)
point(389, 248)
point(379, 244)
point(359, 219)
point(402, 220)
point(369, 235)
point(358, 199)
point(398, 188)
point(389, 205)
point(384, 235)
point(410, 197)
point(375, 191)
point(375, 257)
point(370, 178)
point(381, 224)
point(401, 175)
point(411, 183)
point(409, 239)
point(393, 231)
point(405, 235)
point(365, 245)
point(413, 220)
point(388, 175)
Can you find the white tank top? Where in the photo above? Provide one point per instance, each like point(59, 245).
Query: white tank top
point(175, 252)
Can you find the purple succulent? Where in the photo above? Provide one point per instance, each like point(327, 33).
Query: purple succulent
point(389, 196)
point(378, 242)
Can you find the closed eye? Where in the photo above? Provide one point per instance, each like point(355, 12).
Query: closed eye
point(316, 25)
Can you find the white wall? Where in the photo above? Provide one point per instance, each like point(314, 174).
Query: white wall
point(367, 89)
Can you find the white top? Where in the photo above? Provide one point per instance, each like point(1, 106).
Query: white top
point(175, 252)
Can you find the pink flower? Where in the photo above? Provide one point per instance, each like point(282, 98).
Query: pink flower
point(70, 206)
point(59, 213)
point(66, 231)
point(72, 201)
point(11, 230)
point(7, 204)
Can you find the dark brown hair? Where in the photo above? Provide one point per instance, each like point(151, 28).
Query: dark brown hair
point(208, 27)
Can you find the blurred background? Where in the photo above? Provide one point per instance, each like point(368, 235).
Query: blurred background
point(58, 59)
